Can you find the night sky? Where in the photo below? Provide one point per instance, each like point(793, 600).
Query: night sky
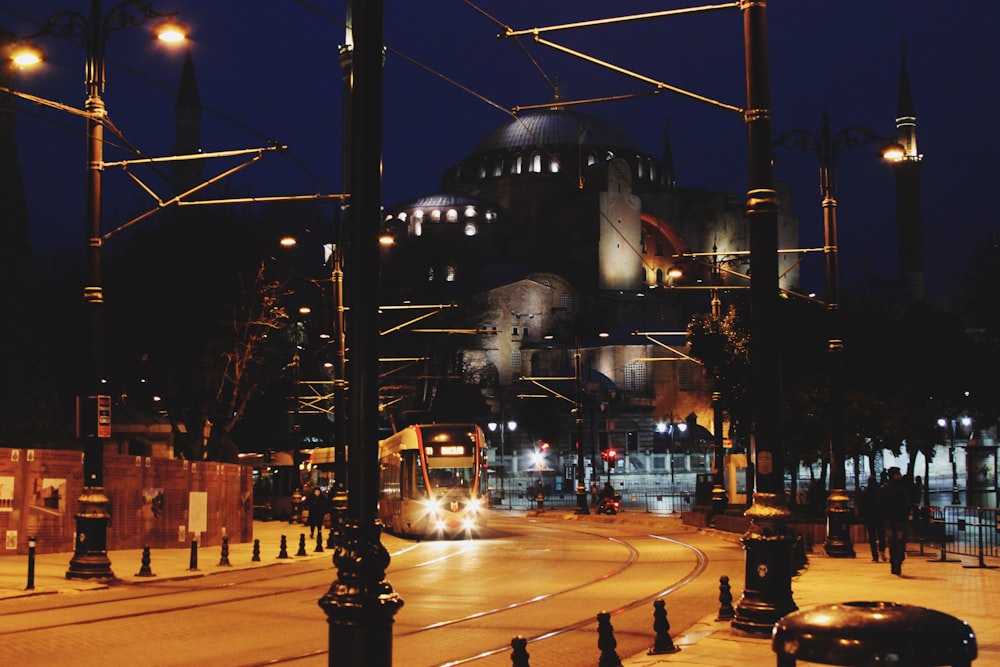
point(268, 70)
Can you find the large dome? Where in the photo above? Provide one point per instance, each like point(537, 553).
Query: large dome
point(554, 127)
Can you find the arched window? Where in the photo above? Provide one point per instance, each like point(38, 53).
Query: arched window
point(449, 273)
point(498, 168)
point(554, 166)
point(659, 276)
point(470, 228)
point(516, 165)
point(536, 163)
point(451, 215)
point(436, 215)
point(640, 169)
point(418, 226)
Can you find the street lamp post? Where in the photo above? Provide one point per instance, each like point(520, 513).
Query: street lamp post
point(827, 147)
point(90, 559)
point(581, 488)
point(503, 425)
point(360, 604)
point(767, 592)
point(950, 427)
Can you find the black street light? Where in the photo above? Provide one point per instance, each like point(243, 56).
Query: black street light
point(360, 604)
point(504, 426)
point(767, 592)
point(827, 148)
point(90, 559)
point(581, 487)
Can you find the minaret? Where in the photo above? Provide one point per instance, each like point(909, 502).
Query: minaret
point(187, 128)
point(908, 218)
point(669, 179)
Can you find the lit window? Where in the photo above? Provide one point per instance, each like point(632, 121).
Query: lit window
point(536, 163)
point(591, 160)
point(635, 376)
point(498, 168)
point(516, 165)
point(436, 215)
point(470, 211)
point(402, 216)
point(652, 171)
point(449, 274)
point(482, 171)
point(470, 228)
point(451, 215)
point(554, 166)
point(430, 274)
point(641, 169)
point(491, 216)
point(418, 227)
point(418, 214)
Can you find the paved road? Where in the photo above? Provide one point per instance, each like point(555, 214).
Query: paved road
point(531, 576)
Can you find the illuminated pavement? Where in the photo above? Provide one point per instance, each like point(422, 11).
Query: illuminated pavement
point(960, 589)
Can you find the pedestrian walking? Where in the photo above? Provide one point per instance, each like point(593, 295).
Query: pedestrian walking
point(895, 505)
point(318, 507)
point(874, 527)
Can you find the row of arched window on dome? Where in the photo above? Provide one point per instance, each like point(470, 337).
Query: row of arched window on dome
point(644, 168)
point(469, 218)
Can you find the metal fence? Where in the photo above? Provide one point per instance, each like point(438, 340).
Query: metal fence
point(960, 531)
point(653, 502)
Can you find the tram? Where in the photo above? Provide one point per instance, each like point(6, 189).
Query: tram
point(431, 481)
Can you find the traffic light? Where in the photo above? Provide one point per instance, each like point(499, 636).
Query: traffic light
point(609, 454)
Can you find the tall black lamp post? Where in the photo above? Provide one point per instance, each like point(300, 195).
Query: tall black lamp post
point(767, 593)
point(827, 147)
point(90, 558)
point(360, 604)
point(581, 487)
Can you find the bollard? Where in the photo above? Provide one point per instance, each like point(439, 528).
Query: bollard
point(302, 545)
point(606, 642)
point(31, 564)
point(224, 560)
point(193, 566)
point(319, 541)
point(256, 552)
point(726, 611)
point(284, 548)
point(519, 652)
point(662, 643)
point(145, 570)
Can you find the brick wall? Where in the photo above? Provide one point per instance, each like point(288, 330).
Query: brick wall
point(39, 489)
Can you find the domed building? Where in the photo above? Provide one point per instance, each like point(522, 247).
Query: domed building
point(558, 234)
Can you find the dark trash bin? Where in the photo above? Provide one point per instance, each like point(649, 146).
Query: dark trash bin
point(873, 634)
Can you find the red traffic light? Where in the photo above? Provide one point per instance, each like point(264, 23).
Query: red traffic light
point(609, 454)
point(544, 446)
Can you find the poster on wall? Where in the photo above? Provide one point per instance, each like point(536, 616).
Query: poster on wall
point(6, 493)
point(152, 503)
point(49, 495)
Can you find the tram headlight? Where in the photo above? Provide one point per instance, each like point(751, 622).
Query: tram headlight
point(474, 505)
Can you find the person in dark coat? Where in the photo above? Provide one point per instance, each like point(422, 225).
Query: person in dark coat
point(895, 504)
point(874, 528)
point(318, 507)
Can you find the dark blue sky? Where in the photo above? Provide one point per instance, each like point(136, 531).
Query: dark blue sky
point(268, 70)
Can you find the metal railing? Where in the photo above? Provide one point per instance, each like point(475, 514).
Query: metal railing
point(959, 530)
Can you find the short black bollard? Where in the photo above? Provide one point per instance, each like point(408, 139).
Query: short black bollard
point(519, 652)
point(255, 558)
point(224, 560)
point(31, 564)
point(662, 643)
point(726, 611)
point(319, 541)
point(145, 570)
point(302, 545)
point(284, 548)
point(193, 565)
point(606, 642)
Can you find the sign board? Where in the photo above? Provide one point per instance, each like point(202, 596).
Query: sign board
point(197, 512)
